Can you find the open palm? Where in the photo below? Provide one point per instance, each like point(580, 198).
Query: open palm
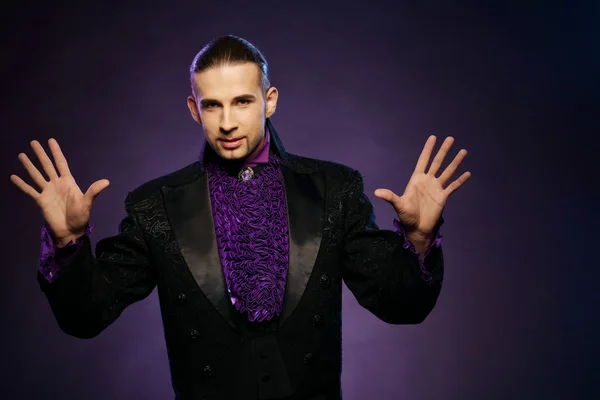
point(425, 196)
point(64, 206)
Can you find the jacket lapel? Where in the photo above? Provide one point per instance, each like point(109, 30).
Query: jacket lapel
point(305, 204)
point(190, 215)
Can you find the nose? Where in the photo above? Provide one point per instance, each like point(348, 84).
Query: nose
point(228, 123)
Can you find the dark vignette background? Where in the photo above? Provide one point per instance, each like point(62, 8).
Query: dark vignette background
point(361, 83)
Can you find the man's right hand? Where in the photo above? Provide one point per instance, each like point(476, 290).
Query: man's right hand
point(64, 206)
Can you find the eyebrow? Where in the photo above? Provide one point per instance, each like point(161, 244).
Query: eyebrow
point(248, 96)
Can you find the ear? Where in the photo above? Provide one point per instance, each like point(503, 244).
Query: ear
point(271, 101)
point(193, 107)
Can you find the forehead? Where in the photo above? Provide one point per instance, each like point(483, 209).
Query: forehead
point(227, 80)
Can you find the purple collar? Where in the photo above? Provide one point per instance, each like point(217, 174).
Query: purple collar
point(262, 157)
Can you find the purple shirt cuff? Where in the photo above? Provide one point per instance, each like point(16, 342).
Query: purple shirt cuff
point(53, 258)
point(437, 241)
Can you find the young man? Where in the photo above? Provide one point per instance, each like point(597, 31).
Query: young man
point(248, 246)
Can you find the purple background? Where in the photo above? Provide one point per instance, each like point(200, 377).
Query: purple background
point(363, 84)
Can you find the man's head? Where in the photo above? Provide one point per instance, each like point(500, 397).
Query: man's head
point(231, 96)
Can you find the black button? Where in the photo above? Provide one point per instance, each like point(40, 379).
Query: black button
point(263, 355)
point(265, 378)
point(181, 298)
point(317, 321)
point(325, 282)
point(194, 334)
point(207, 370)
point(309, 359)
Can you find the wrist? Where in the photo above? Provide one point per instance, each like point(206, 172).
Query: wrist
point(420, 241)
point(64, 241)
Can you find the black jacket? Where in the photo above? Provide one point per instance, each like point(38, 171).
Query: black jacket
point(167, 241)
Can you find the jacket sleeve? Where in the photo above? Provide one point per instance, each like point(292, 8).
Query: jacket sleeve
point(92, 290)
point(381, 268)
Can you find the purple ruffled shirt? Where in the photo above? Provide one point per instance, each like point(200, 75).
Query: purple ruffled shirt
point(250, 218)
point(252, 241)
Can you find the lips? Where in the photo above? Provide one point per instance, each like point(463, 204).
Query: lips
point(231, 140)
point(231, 144)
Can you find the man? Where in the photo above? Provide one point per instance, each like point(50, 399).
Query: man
point(248, 247)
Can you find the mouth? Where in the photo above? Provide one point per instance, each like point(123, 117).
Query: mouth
point(231, 144)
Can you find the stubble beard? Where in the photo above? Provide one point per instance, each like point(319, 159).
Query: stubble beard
point(240, 154)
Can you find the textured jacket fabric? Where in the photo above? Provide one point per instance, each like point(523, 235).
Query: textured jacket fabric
point(167, 241)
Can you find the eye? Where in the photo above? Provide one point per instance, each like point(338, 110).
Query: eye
point(208, 106)
point(244, 102)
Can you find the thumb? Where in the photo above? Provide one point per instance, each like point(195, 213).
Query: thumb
point(386, 194)
point(95, 188)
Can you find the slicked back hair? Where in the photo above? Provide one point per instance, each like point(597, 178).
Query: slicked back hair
point(229, 50)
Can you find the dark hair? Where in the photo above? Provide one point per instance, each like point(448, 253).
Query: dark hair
point(229, 50)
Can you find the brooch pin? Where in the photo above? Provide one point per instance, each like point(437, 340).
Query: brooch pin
point(246, 174)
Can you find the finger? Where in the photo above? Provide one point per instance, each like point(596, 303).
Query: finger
point(386, 194)
point(44, 159)
point(95, 189)
point(425, 154)
point(457, 183)
point(439, 157)
point(59, 158)
point(21, 184)
point(33, 172)
point(452, 167)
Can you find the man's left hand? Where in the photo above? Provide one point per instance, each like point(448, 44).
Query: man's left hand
point(425, 195)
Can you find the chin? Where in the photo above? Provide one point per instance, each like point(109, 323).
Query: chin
point(235, 154)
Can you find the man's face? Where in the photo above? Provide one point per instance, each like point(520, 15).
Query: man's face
point(231, 106)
